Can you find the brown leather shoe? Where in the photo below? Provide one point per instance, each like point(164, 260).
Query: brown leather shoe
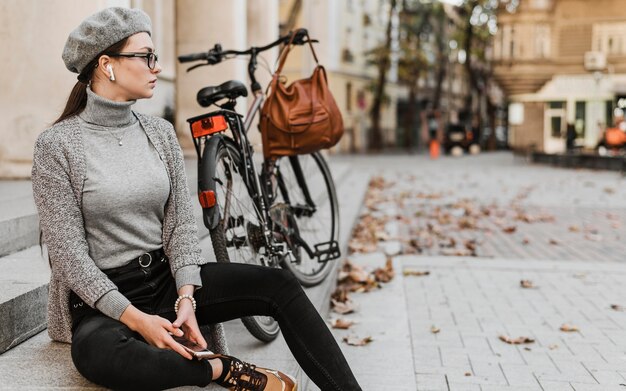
point(243, 376)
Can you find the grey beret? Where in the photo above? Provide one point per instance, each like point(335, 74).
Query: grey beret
point(99, 31)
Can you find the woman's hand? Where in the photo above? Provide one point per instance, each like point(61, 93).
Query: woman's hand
point(154, 329)
point(186, 318)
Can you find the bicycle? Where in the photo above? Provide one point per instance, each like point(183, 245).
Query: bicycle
point(285, 214)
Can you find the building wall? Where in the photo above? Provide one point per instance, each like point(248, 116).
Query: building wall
point(36, 84)
point(539, 55)
point(522, 135)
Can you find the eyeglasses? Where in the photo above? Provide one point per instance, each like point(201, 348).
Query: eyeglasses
point(151, 58)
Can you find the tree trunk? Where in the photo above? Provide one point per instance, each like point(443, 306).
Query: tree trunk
point(491, 115)
point(442, 62)
point(469, 42)
point(376, 137)
point(290, 23)
point(410, 121)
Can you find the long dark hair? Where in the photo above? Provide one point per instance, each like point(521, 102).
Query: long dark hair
point(78, 97)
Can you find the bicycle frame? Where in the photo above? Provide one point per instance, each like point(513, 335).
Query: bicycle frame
point(259, 192)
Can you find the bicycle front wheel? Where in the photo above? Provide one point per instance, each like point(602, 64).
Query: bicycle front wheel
point(316, 214)
point(239, 234)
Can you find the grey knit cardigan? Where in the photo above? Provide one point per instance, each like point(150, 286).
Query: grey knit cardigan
point(58, 177)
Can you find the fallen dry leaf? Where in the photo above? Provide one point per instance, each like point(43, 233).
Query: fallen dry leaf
point(516, 341)
point(341, 323)
point(617, 307)
point(456, 252)
point(418, 273)
point(434, 329)
point(574, 228)
point(525, 241)
point(342, 308)
point(468, 374)
point(580, 275)
point(568, 328)
point(593, 237)
point(356, 341)
point(340, 294)
point(385, 274)
point(553, 346)
point(526, 284)
point(609, 190)
point(553, 242)
point(510, 229)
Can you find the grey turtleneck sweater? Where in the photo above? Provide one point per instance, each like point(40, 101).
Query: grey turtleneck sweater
point(124, 195)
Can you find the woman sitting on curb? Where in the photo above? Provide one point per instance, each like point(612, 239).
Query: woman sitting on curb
point(115, 214)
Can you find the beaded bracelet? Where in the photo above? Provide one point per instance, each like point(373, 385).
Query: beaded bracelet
point(193, 302)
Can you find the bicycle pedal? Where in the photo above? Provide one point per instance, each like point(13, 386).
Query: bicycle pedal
point(327, 251)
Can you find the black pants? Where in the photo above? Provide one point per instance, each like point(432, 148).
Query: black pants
point(107, 352)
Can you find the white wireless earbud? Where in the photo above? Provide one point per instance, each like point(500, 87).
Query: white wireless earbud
point(111, 74)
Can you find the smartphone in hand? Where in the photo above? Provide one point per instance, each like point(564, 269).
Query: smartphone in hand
point(196, 350)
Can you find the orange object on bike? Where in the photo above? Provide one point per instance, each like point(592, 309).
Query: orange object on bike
point(615, 137)
point(434, 149)
point(208, 125)
point(207, 198)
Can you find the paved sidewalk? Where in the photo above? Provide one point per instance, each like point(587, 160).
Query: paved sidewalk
point(471, 301)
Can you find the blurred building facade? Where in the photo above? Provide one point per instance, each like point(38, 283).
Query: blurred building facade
point(36, 84)
point(347, 30)
point(561, 62)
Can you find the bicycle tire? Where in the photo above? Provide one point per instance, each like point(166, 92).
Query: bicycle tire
point(263, 328)
point(311, 272)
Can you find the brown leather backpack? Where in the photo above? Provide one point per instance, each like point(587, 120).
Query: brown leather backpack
point(302, 117)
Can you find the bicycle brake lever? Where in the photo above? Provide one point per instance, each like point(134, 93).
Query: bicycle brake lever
point(195, 66)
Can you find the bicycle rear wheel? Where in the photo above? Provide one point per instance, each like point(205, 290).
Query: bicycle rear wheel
point(238, 236)
point(317, 223)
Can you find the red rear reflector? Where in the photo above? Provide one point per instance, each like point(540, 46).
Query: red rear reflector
point(207, 198)
point(208, 125)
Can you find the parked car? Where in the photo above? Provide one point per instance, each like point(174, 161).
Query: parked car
point(456, 135)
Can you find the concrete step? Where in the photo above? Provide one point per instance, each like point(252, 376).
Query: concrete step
point(23, 297)
point(39, 363)
point(19, 225)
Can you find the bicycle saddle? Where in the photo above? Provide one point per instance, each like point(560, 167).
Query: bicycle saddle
point(231, 89)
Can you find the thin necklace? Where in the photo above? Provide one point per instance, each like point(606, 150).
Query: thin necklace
point(119, 139)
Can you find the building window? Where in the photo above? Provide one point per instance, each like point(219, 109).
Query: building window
point(540, 4)
point(556, 115)
point(609, 113)
point(579, 124)
point(542, 41)
point(349, 96)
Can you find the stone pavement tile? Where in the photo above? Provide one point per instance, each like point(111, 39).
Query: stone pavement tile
point(489, 370)
point(463, 386)
point(519, 375)
point(607, 377)
point(454, 357)
point(602, 365)
point(475, 341)
point(538, 359)
point(572, 371)
point(547, 385)
point(595, 387)
point(390, 352)
point(426, 355)
point(510, 388)
point(440, 370)
point(431, 382)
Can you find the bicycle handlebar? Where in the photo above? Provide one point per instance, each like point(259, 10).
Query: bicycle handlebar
point(216, 54)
